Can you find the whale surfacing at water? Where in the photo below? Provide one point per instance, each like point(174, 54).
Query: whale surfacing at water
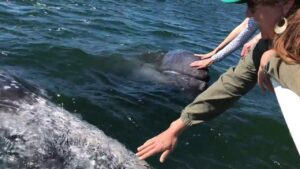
point(35, 133)
point(176, 65)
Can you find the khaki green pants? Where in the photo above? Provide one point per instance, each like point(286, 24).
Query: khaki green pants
point(235, 83)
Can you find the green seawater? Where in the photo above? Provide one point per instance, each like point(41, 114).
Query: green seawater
point(98, 59)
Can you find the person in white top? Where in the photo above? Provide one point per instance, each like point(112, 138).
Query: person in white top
point(238, 37)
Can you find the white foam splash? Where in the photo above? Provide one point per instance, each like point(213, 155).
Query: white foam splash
point(6, 87)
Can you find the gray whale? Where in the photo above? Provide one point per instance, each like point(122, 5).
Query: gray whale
point(35, 133)
point(176, 66)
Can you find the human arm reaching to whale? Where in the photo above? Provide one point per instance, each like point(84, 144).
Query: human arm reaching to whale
point(237, 81)
point(231, 36)
point(238, 37)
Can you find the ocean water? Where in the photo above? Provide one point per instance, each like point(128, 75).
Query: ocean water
point(98, 60)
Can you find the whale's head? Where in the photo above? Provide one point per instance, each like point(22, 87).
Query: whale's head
point(176, 65)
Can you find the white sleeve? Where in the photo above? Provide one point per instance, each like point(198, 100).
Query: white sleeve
point(240, 40)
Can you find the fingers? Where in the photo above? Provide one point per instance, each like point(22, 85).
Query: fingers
point(161, 143)
point(164, 155)
point(149, 153)
point(201, 64)
point(199, 55)
point(145, 150)
point(260, 79)
point(146, 144)
point(197, 64)
point(193, 64)
point(263, 81)
point(268, 85)
point(245, 50)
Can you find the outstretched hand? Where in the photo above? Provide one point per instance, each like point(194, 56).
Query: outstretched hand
point(163, 143)
point(250, 45)
point(200, 64)
point(246, 49)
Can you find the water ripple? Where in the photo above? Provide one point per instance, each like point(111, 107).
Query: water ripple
point(101, 58)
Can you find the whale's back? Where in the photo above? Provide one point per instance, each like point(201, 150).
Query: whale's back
point(35, 133)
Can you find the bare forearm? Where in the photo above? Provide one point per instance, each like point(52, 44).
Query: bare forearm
point(177, 127)
point(233, 34)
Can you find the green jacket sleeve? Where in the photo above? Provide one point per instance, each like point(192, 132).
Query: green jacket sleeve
point(288, 75)
point(233, 84)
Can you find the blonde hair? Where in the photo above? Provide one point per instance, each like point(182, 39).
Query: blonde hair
point(287, 45)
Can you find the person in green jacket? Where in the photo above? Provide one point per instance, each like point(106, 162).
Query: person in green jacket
point(279, 21)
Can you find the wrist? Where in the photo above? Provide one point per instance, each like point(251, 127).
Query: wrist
point(177, 127)
point(215, 50)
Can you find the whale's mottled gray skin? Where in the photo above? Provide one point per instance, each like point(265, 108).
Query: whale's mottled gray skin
point(176, 65)
point(35, 133)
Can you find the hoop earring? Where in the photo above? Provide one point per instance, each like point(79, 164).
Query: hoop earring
point(281, 26)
